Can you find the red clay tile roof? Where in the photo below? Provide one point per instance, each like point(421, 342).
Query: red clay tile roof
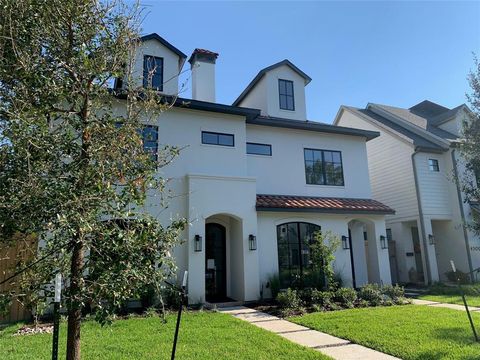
point(321, 204)
point(205, 51)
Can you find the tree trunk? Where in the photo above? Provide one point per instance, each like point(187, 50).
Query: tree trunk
point(75, 308)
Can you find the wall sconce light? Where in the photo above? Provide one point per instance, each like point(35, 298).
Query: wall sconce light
point(383, 242)
point(198, 243)
point(252, 242)
point(345, 242)
point(431, 239)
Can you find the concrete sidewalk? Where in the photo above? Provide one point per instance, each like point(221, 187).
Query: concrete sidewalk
point(332, 346)
point(444, 305)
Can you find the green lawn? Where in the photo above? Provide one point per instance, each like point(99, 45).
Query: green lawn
point(203, 336)
point(409, 332)
point(451, 294)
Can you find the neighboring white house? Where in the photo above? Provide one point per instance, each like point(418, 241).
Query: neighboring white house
point(412, 166)
point(256, 179)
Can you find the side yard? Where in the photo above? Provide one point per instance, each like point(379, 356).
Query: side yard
point(203, 336)
point(409, 332)
point(451, 295)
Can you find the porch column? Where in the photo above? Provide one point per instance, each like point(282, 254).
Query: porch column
point(359, 255)
point(196, 264)
point(429, 249)
point(378, 257)
point(251, 271)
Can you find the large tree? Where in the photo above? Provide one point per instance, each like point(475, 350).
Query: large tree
point(469, 146)
point(73, 170)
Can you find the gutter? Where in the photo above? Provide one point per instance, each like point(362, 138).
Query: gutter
point(422, 222)
point(462, 214)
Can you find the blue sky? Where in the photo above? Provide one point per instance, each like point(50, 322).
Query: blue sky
point(395, 53)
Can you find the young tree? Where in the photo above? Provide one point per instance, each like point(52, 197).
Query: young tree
point(73, 170)
point(469, 146)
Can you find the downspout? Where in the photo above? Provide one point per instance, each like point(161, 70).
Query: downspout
point(422, 222)
point(462, 214)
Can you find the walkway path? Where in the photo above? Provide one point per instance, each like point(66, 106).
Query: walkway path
point(444, 305)
point(332, 346)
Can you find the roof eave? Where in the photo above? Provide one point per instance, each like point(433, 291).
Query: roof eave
point(326, 211)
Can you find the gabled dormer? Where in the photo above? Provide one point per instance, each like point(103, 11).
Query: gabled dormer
point(278, 91)
point(157, 64)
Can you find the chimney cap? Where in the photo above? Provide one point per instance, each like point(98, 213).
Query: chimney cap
point(203, 55)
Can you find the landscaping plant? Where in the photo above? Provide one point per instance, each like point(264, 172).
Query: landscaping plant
point(73, 169)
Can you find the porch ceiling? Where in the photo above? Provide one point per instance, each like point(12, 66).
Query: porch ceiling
point(321, 204)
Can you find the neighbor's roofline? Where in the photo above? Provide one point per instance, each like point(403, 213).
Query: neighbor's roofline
point(262, 72)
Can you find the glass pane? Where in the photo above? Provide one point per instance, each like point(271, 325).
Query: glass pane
point(318, 172)
point(328, 156)
point(317, 155)
point(259, 149)
point(283, 102)
point(336, 157)
point(224, 139)
point(289, 88)
point(282, 87)
point(290, 103)
point(209, 138)
point(308, 154)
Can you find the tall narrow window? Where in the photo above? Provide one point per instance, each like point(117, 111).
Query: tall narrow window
point(433, 165)
point(285, 90)
point(150, 140)
point(153, 72)
point(294, 260)
point(323, 167)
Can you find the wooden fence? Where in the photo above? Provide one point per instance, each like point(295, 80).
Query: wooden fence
point(20, 249)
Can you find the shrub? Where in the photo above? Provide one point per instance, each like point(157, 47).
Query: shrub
point(395, 293)
point(322, 299)
point(289, 299)
point(460, 276)
point(274, 284)
point(306, 295)
point(346, 297)
point(372, 294)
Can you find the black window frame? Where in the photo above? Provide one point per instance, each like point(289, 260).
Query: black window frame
point(433, 165)
point(298, 263)
point(259, 144)
point(148, 82)
point(217, 134)
point(286, 95)
point(146, 146)
point(323, 174)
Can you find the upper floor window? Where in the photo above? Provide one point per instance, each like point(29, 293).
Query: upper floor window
point(433, 165)
point(213, 138)
point(285, 90)
point(259, 149)
point(153, 72)
point(323, 167)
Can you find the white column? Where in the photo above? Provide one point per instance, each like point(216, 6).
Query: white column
point(429, 249)
point(196, 264)
point(359, 255)
point(250, 264)
point(378, 257)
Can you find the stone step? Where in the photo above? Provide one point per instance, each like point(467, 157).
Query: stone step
point(229, 304)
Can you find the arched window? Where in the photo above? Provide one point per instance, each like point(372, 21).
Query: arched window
point(294, 263)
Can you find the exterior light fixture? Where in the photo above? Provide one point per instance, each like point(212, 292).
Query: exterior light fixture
point(383, 242)
point(431, 239)
point(345, 242)
point(252, 242)
point(198, 243)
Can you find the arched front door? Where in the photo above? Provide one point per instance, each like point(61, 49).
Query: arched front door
point(215, 263)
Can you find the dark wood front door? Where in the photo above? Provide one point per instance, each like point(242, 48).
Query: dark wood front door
point(215, 263)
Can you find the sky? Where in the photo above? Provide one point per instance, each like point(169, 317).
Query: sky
point(394, 53)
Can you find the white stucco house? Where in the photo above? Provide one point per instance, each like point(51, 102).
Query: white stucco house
point(256, 179)
point(412, 165)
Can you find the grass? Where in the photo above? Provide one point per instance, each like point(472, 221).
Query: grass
point(451, 295)
point(203, 335)
point(409, 332)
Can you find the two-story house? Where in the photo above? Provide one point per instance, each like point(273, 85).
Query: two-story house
point(413, 164)
point(256, 179)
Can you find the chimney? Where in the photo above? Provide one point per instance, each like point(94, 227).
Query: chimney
point(202, 63)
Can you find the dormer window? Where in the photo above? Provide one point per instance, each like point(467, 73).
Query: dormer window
point(285, 90)
point(153, 72)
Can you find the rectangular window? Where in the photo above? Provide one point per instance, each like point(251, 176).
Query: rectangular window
point(213, 138)
point(259, 149)
point(285, 90)
point(323, 167)
point(150, 140)
point(433, 165)
point(153, 72)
